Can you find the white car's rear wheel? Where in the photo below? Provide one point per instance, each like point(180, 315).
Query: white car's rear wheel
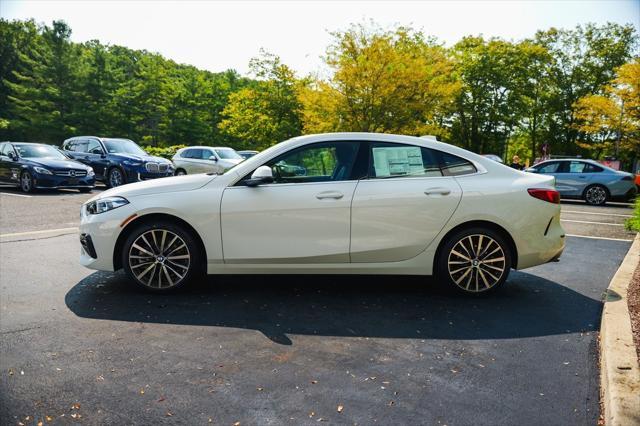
point(161, 256)
point(475, 260)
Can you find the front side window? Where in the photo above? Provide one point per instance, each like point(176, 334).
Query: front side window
point(322, 162)
point(549, 168)
point(206, 154)
point(78, 145)
point(94, 147)
point(389, 160)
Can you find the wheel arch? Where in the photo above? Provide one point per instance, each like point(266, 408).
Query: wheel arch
point(479, 224)
point(153, 218)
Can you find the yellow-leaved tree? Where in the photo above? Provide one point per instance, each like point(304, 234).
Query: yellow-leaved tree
point(610, 122)
point(383, 81)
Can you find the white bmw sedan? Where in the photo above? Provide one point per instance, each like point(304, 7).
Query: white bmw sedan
point(341, 203)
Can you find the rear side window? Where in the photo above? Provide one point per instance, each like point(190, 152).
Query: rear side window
point(453, 165)
point(592, 168)
point(396, 160)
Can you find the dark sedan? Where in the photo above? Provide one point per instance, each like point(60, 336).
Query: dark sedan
point(38, 166)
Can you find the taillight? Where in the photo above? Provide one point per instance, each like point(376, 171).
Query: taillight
point(549, 195)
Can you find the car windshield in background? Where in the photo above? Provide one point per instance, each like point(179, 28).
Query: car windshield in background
point(39, 151)
point(123, 146)
point(228, 154)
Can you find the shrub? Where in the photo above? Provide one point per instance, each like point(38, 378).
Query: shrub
point(165, 152)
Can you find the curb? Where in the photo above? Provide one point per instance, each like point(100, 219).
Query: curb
point(619, 369)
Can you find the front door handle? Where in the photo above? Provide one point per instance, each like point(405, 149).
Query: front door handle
point(329, 194)
point(437, 191)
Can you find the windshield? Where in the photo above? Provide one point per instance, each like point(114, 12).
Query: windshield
point(39, 151)
point(227, 154)
point(123, 146)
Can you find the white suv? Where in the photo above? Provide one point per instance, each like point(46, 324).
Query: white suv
point(205, 159)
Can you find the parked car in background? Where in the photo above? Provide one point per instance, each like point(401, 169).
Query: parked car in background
point(247, 153)
point(367, 204)
point(33, 166)
point(116, 161)
point(588, 180)
point(205, 159)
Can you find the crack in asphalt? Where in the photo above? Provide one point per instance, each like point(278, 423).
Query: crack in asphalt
point(39, 238)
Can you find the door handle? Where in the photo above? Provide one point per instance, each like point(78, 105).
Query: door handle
point(329, 194)
point(438, 191)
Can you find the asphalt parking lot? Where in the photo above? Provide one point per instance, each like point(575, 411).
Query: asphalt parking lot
point(88, 347)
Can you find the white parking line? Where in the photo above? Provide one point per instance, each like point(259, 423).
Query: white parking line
point(596, 238)
point(44, 231)
point(598, 214)
point(16, 195)
point(592, 223)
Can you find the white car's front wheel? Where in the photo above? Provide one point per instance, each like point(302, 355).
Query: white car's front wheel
point(475, 260)
point(161, 256)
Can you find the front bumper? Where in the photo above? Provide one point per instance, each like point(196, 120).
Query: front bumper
point(42, 181)
point(140, 174)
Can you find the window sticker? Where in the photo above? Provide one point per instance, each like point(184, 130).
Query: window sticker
point(397, 161)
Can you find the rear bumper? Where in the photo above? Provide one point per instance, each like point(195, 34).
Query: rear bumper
point(630, 194)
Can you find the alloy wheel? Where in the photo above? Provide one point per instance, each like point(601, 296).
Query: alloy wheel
point(596, 195)
point(476, 263)
point(115, 178)
point(159, 259)
point(26, 182)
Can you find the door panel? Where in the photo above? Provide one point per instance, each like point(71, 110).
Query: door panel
point(287, 223)
point(396, 219)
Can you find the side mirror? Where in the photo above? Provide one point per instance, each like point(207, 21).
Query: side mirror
point(262, 174)
point(531, 170)
point(13, 156)
point(213, 158)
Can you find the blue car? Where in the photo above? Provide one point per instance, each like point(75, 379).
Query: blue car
point(588, 180)
point(117, 161)
point(33, 166)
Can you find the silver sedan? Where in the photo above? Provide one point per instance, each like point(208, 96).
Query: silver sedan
point(588, 180)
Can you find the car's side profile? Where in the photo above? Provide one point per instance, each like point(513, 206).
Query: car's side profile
point(116, 161)
point(588, 180)
point(205, 159)
point(32, 166)
point(345, 203)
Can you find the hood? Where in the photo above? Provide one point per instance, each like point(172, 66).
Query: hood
point(158, 186)
point(144, 158)
point(52, 163)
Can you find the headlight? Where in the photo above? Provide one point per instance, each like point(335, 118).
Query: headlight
point(90, 172)
point(105, 204)
point(42, 171)
point(131, 163)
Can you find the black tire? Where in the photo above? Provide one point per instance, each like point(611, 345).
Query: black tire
point(596, 195)
point(115, 177)
point(26, 182)
point(166, 274)
point(475, 266)
point(180, 172)
point(85, 190)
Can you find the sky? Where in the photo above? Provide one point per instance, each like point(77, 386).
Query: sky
point(219, 35)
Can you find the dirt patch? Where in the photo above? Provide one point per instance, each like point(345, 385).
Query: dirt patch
point(633, 297)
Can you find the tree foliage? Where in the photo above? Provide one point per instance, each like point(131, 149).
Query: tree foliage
point(575, 90)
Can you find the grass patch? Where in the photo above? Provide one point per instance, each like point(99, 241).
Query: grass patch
point(633, 223)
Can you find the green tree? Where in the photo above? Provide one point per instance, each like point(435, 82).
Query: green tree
point(266, 112)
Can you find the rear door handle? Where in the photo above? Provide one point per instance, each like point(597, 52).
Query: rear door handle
point(329, 194)
point(437, 191)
